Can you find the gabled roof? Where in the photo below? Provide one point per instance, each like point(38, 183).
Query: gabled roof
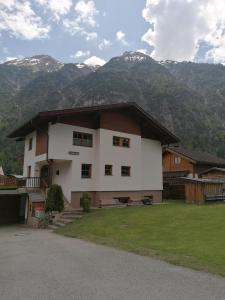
point(222, 170)
point(149, 126)
point(198, 156)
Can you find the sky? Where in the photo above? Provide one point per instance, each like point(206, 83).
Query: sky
point(93, 31)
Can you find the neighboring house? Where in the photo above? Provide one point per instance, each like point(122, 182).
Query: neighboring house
point(180, 162)
point(111, 151)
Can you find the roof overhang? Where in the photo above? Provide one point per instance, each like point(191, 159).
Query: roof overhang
point(150, 127)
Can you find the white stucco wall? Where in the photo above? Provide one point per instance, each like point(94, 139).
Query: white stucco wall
point(119, 156)
point(64, 178)
point(151, 157)
point(60, 144)
point(29, 155)
point(144, 157)
point(30, 158)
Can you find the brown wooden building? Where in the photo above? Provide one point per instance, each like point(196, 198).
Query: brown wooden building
point(192, 176)
point(194, 190)
point(179, 160)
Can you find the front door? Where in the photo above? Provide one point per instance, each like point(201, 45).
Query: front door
point(45, 173)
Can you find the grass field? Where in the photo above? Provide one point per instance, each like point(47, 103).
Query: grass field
point(188, 235)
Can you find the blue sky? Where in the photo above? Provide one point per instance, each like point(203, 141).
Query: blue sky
point(96, 30)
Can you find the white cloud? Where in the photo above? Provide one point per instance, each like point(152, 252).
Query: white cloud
point(177, 28)
point(104, 44)
point(83, 20)
point(144, 51)
point(80, 54)
point(86, 12)
point(95, 61)
point(89, 36)
point(74, 28)
point(57, 7)
point(18, 18)
point(120, 36)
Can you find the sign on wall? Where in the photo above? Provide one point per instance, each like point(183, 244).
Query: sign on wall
point(73, 153)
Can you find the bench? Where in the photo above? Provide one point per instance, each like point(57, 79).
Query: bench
point(211, 198)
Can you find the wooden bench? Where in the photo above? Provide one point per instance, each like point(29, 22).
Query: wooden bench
point(211, 198)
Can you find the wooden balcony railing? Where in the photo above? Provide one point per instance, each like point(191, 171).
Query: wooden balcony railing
point(25, 182)
point(7, 182)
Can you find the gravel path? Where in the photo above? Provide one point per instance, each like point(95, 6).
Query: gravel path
point(40, 265)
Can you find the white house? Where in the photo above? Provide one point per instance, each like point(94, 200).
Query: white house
point(111, 151)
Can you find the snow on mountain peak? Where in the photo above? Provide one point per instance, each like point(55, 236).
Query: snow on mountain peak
point(37, 63)
point(134, 56)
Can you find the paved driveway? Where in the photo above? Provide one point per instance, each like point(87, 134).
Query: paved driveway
point(37, 264)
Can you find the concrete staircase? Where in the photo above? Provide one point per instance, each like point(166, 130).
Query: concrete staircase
point(64, 218)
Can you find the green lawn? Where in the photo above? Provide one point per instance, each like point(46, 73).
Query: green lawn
point(187, 235)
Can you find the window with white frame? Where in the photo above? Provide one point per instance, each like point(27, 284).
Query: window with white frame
point(177, 160)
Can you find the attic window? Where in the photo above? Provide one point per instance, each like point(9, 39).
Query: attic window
point(177, 160)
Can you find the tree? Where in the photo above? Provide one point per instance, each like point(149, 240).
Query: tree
point(54, 201)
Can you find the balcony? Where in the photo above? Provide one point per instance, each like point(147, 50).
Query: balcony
point(10, 182)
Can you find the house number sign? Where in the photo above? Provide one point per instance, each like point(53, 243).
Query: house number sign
point(73, 153)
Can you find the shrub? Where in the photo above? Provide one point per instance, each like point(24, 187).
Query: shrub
point(54, 201)
point(85, 202)
point(43, 222)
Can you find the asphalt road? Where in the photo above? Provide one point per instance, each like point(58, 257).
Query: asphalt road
point(39, 265)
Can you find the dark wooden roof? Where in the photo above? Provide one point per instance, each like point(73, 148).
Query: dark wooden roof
point(198, 156)
point(222, 170)
point(150, 127)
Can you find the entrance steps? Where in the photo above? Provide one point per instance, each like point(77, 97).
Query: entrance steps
point(64, 218)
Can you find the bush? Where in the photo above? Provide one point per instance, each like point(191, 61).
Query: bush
point(85, 202)
point(54, 201)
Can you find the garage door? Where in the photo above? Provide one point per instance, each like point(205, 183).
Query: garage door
point(10, 206)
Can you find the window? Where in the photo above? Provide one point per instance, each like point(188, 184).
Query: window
point(121, 142)
point(82, 139)
point(29, 171)
point(85, 171)
point(177, 160)
point(125, 171)
point(30, 144)
point(108, 170)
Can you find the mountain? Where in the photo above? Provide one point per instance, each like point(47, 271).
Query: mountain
point(188, 98)
point(37, 63)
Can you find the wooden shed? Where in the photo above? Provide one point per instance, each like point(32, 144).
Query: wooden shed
point(193, 190)
point(214, 173)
